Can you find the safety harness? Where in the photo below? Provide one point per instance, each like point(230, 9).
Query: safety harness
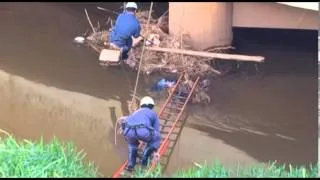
point(135, 127)
point(129, 127)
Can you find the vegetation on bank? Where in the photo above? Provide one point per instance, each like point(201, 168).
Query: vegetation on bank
point(268, 170)
point(56, 159)
point(217, 170)
point(38, 159)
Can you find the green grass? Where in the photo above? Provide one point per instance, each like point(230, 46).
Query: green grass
point(268, 170)
point(56, 159)
point(141, 173)
point(217, 170)
point(39, 159)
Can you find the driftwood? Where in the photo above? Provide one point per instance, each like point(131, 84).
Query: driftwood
point(89, 21)
point(209, 54)
point(168, 53)
point(158, 61)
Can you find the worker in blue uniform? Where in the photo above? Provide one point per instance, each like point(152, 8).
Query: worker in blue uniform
point(143, 125)
point(126, 27)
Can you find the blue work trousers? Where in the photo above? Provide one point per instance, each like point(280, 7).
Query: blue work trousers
point(124, 44)
point(153, 143)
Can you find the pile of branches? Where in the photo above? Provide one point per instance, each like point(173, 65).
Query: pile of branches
point(152, 61)
point(167, 62)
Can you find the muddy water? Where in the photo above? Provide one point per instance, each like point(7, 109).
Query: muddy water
point(65, 92)
point(257, 118)
point(49, 86)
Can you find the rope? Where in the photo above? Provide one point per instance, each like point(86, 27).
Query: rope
point(119, 121)
point(115, 133)
point(138, 75)
point(181, 35)
point(141, 57)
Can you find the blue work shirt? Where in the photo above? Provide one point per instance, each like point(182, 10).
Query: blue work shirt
point(126, 25)
point(145, 116)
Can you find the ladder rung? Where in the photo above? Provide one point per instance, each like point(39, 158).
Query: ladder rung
point(167, 120)
point(165, 157)
point(168, 113)
point(170, 139)
point(173, 133)
point(173, 107)
point(168, 125)
point(165, 130)
point(178, 125)
point(177, 102)
point(167, 152)
point(180, 97)
point(163, 136)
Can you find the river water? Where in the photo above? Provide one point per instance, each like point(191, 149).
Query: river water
point(50, 86)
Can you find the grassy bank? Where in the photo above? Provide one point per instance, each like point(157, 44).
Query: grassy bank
point(269, 170)
point(217, 170)
point(39, 159)
point(57, 159)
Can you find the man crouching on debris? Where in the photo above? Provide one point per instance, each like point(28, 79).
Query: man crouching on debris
point(142, 125)
point(126, 27)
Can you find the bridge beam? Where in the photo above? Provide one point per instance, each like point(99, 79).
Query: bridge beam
point(209, 24)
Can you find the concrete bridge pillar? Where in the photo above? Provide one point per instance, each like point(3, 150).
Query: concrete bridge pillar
point(209, 24)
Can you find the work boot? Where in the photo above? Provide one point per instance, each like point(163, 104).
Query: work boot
point(145, 156)
point(132, 157)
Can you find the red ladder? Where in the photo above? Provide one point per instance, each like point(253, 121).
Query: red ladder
point(171, 125)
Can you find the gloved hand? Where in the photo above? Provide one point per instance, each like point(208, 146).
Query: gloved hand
point(136, 41)
point(123, 118)
point(156, 156)
point(121, 122)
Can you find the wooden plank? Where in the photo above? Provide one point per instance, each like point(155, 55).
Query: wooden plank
point(237, 57)
point(109, 55)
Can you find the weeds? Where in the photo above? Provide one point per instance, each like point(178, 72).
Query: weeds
point(143, 173)
point(269, 170)
point(217, 170)
point(39, 159)
point(56, 159)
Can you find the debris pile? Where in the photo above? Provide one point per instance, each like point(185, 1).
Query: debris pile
point(153, 61)
point(167, 53)
point(158, 61)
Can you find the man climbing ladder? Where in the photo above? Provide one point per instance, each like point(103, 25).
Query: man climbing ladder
point(142, 125)
point(170, 117)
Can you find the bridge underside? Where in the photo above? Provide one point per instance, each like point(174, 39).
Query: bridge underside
point(274, 15)
point(209, 24)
